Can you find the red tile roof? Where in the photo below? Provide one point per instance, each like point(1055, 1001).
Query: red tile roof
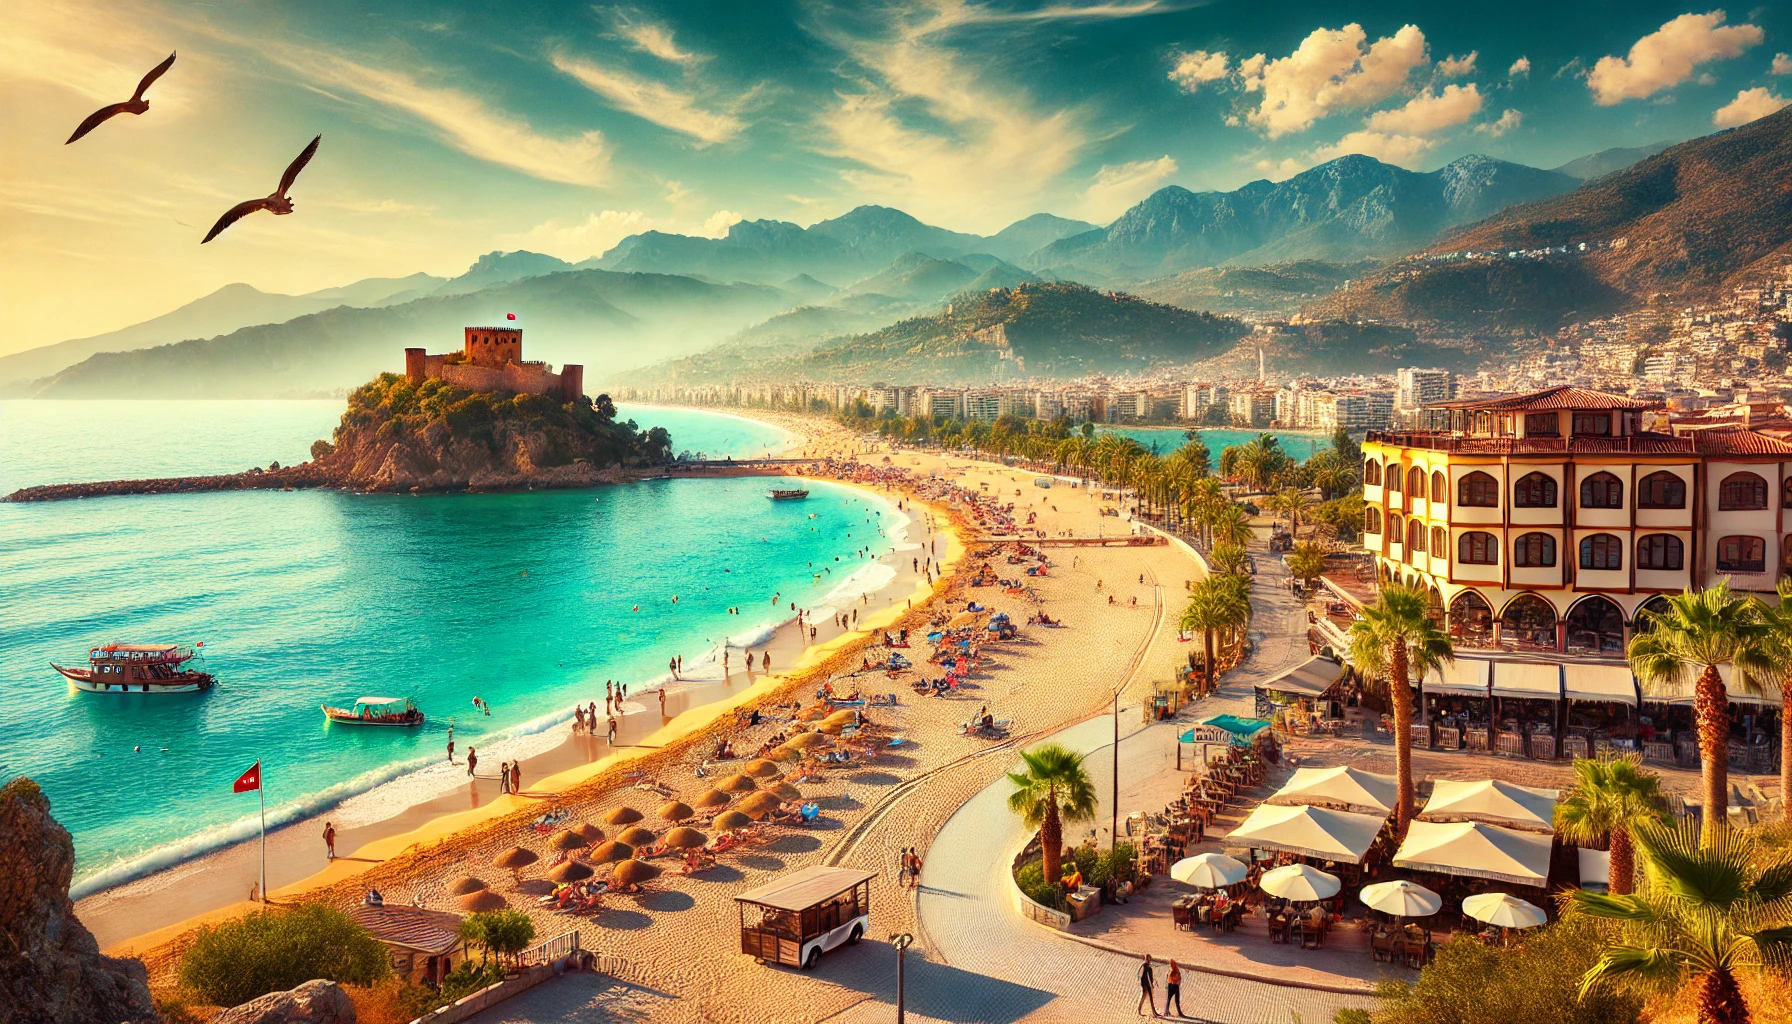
point(1730, 441)
point(432, 932)
point(1549, 399)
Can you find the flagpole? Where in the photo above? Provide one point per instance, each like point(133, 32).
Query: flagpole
point(261, 794)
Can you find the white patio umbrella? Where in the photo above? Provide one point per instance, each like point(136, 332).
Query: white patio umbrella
point(1504, 910)
point(1300, 882)
point(1209, 871)
point(1401, 898)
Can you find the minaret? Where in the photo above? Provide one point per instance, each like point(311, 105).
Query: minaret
point(1260, 376)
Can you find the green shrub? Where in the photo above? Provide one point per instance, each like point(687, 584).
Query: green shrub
point(499, 933)
point(1352, 1015)
point(270, 951)
point(1472, 983)
point(1031, 879)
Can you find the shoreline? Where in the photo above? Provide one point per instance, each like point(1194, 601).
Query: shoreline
point(147, 910)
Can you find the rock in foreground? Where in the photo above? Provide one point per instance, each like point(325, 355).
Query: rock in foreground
point(315, 1002)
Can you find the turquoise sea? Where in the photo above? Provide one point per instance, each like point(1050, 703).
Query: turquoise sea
point(309, 597)
point(1165, 440)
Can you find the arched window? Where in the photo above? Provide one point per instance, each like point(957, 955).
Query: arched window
point(1440, 487)
point(1415, 538)
point(1478, 490)
point(1741, 492)
point(1534, 550)
point(1396, 529)
point(1602, 490)
point(1372, 472)
point(1786, 498)
point(1660, 551)
point(1393, 476)
point(1440, 542)
point(1478, 548)
point(1741, 554)
point(1534, 490)
point(1601, 551)
point(1661, 490)
point(1415, 482)
point(1371, 520)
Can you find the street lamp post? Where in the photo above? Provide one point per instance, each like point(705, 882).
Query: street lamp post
point(902, 942)
point(1114, 803)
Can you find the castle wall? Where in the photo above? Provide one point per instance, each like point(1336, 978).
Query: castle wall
point(493, 346)
point(493, 361)
point(530, 378)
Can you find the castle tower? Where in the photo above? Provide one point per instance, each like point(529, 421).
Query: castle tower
point(415, 365)
point(572, 382)
point(494, 346)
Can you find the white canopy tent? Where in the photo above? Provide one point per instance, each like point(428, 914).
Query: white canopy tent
point(1491, 800)
point(1475, 849)
point(1310, 678)
point(1309, 831)
point(1345, 788)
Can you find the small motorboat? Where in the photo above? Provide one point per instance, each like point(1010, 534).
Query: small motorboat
point(787, 493)
point(394, 711)
point(139, 668)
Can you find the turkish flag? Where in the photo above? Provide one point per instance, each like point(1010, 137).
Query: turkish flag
point(250, 779)
point(510, 316)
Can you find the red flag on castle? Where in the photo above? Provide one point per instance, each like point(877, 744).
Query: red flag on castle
point(250, 779)
point(510, 316)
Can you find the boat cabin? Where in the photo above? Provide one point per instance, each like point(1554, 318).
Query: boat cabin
point(793, 919)
point(377, 711)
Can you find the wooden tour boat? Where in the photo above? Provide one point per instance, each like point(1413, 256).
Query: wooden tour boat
point(139, 668)
point(397, 711)
point(788, 494)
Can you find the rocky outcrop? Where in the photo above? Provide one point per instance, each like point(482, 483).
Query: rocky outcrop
point(315, 1002)
point(51, 970)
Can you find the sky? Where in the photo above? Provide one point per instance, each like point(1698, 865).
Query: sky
point(456, 129)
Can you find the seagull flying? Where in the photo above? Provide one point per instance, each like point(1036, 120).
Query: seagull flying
point(135, 105)
point(277, 203)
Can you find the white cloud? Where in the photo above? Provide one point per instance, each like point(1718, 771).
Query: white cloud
point(1280, 170)
point(1331, 70)
point(1430, 112)
point(1749, 105)
point(1403, 150)
point(1197, 67)
point(980, 153)
point(465, 122)
point(652, 101)
point(1455, 67)
point(1507, 121)
point(719, 222)
point(575, 240)
point(1521, 68)
point(654, 38)
point(1118, 186)
point(950, 14)
point(1782, 64)
point(1666, 57)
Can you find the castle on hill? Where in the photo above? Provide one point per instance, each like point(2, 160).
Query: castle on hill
point(492, 360)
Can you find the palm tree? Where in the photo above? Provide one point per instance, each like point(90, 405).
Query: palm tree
point(1779, 620)
point(1293, 503)
point(1716, 906)
point(1699, 631)
point(1396, 637)
point(1227, 559)
point(1229, 525)
point(1611, 797)
point(1052, 789)
point(1307, 561)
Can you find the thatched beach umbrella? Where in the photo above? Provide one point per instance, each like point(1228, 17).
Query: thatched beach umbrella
point(630, 872)
point(675, 810)
point(848, 715)
point(784, 791)
point(611, 852)
point(568, 840)
point(570, 871)
point(682, 838)
point(466, 884)
point(758, 803)
point(623, 816)
point(760, 769)
point(714, 798)
point(830, 728)
point(814, 714)
point(737, 784)
point(805, 740)
point(637, 837)
point(481, 901)
point(515, 859)
point(729, 820)
point(588, 832)
point(785, 754)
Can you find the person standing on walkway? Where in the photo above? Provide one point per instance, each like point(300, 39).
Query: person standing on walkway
point(472, 759)
point(1147, 987)
point(1173, 988)
point(329, 841)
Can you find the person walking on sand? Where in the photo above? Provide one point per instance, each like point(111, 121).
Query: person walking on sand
point(765, 661)
point(516, 778)
point(1147, 987)
point(503, 776)
point(612, 730)
point(450, 750)
point(1173, 988)
point(329, 841)
point(662, 702)
point(672, 666)
point(472, 760)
